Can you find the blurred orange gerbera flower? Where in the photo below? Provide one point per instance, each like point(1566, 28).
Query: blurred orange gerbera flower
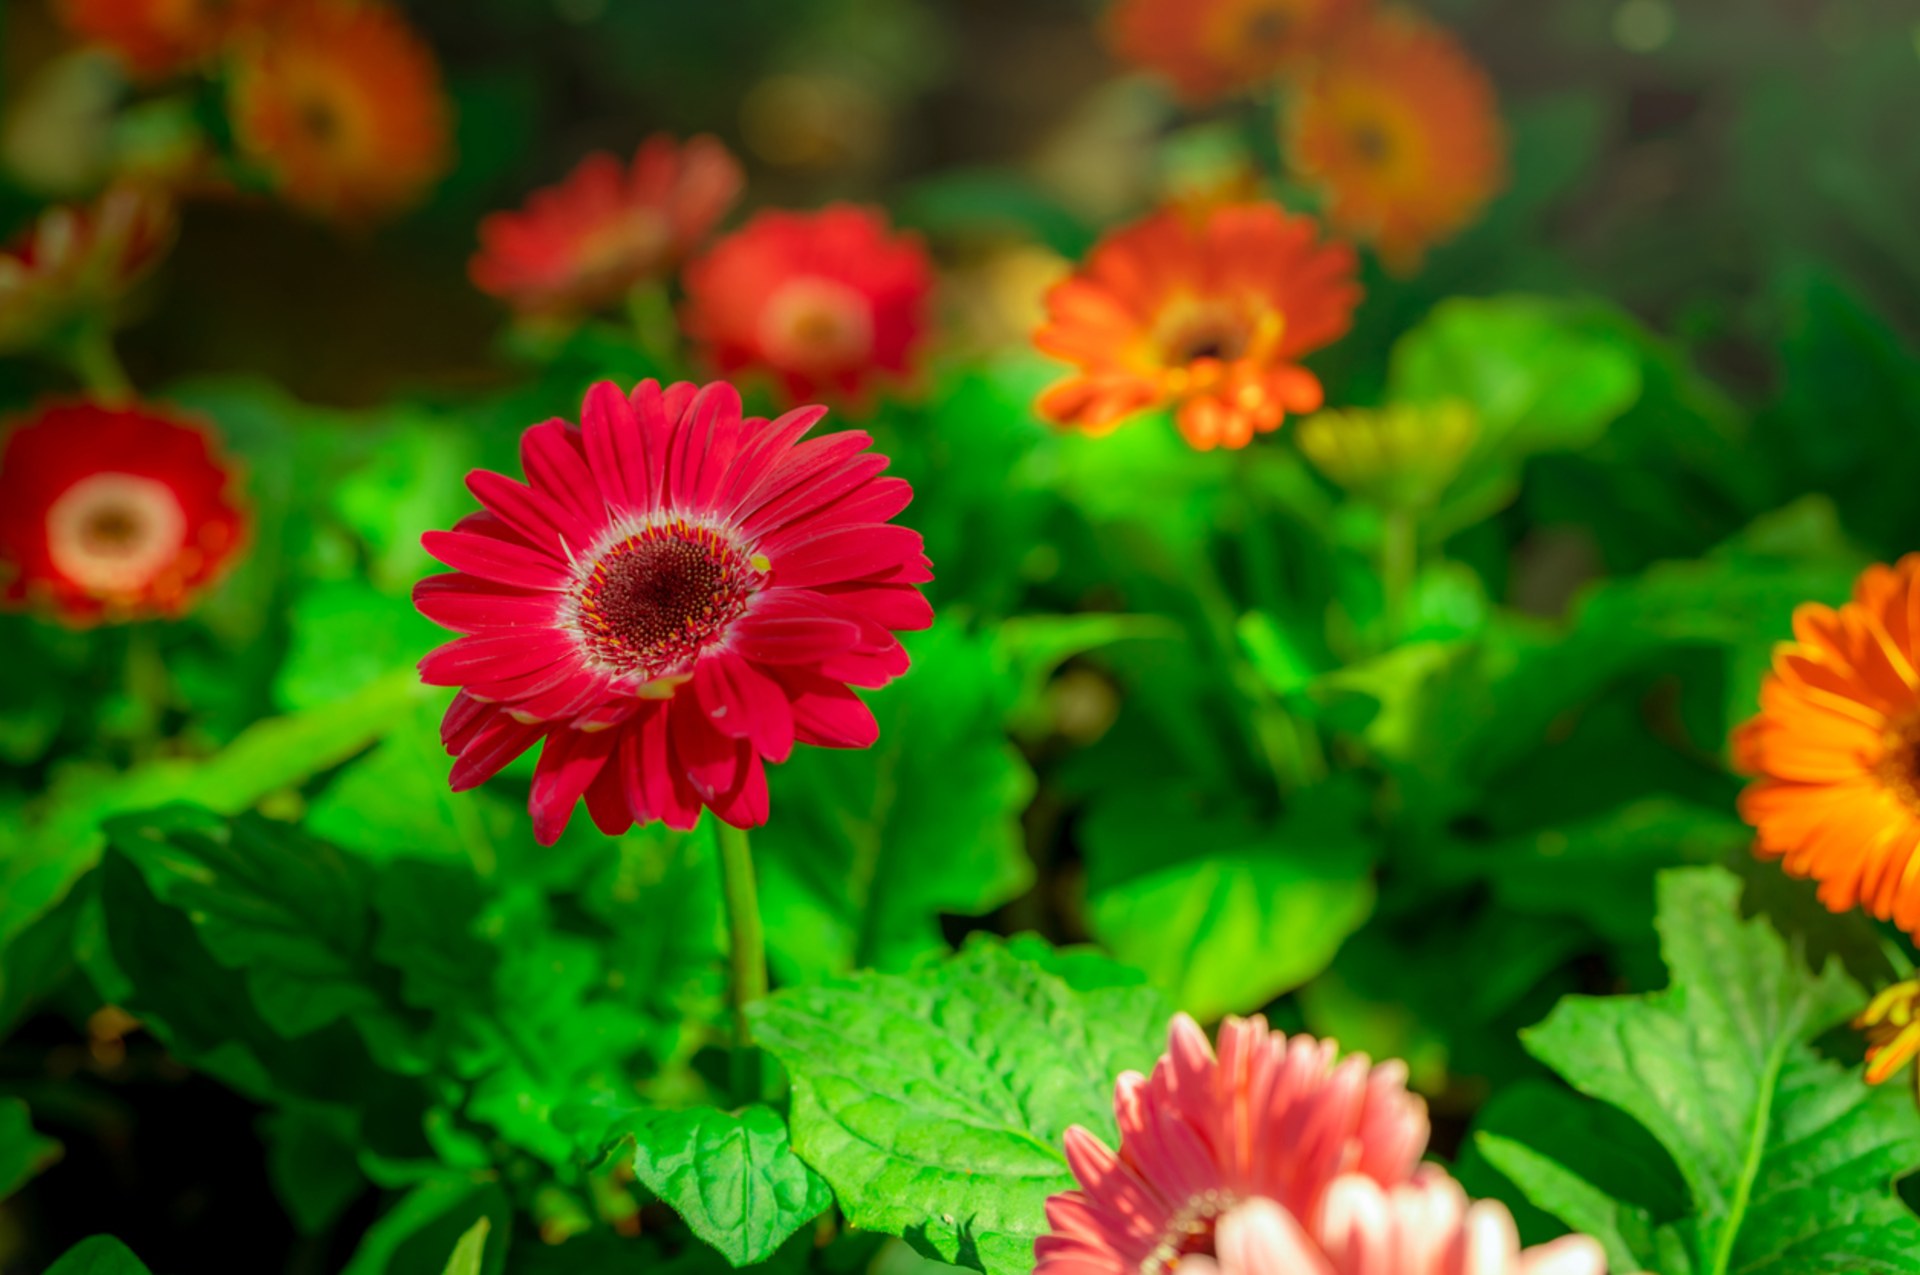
point(1211, 315)
point(826, 301)
point(158, 37)
point(1210, 48)
point(341, 105)
point(1399, 127)
point(607, 227)
point(1836, 748)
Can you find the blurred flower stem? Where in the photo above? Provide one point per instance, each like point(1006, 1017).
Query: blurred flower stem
point(90, 354)
point(656, 330)
point(747, 952)
point(1399, 559)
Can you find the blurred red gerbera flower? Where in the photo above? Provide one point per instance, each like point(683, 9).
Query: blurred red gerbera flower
point(1209, 314)
point(825, 301)
point(158, 37)
point(75, 262)
point(677, 595)
point(114, 513)
point(605, 228)
point(1835, 748)
point(340, 104)
point(1209, 48)
point(1400, 129)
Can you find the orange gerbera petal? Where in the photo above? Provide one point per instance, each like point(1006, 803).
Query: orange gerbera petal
point(1209, 48)
point(1400, 129)
point(340, 104)
point(1208, 316)
point(159, 37)
point(1835, 749)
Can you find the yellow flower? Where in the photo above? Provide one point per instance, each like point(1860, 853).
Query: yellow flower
point(1892, 1030)
point(1398, 457)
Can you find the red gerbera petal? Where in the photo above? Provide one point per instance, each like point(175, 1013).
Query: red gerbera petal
point(675, 596)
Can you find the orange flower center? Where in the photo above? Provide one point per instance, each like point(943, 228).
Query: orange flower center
point(658, 596)
point(818, 324)
point(114, 534)
point(1898, 769)
point(1250, 36)
point(1197, 345)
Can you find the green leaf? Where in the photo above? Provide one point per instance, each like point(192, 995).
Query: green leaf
point(57, 847)
point(1223, 912)
point(291, 913)
point(1789, 1159)
point(471, 1248)
point(23, 1152)
point(934, 1102)
point(732, 1176)
point(1538, 379)
point(873, 845)
point(99, 1255)
point(436, 1217)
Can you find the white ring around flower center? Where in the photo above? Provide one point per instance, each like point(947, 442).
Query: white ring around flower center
point(811, 322)
point(114, 533)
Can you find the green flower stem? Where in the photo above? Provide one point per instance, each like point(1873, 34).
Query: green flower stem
point(747, 950)
point(94, 362)
point(1399, 559)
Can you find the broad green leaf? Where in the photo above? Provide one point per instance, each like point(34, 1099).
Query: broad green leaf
point(148, 958)
point(56, 848)
point(471, 1248)
point(873, 845)
point(430, 1221)
point(934, 1102)
point(1789, 1159)
point(1225, 913)
point(345, 636)
point(1536, 376)
point(396, 801)
point(315, 1170)
point(290, 913)
point(731, 1176)
point(98, 1255)
point(23, 1152)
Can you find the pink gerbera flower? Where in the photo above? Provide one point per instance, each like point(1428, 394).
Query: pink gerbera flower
point(826, 302)
point(607, 227)
point(1269, 1118)
point(675, 596)
point(1423, 1227)
point(1273, 1159)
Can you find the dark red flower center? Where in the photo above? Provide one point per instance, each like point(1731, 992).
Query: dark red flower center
point(655, 600)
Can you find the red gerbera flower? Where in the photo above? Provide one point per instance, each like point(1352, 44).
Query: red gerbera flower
point(676, 595)
point(605, 228)
point(823, 300)
point(114, 513)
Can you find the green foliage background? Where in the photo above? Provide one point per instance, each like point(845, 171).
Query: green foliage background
point(1168, 746)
